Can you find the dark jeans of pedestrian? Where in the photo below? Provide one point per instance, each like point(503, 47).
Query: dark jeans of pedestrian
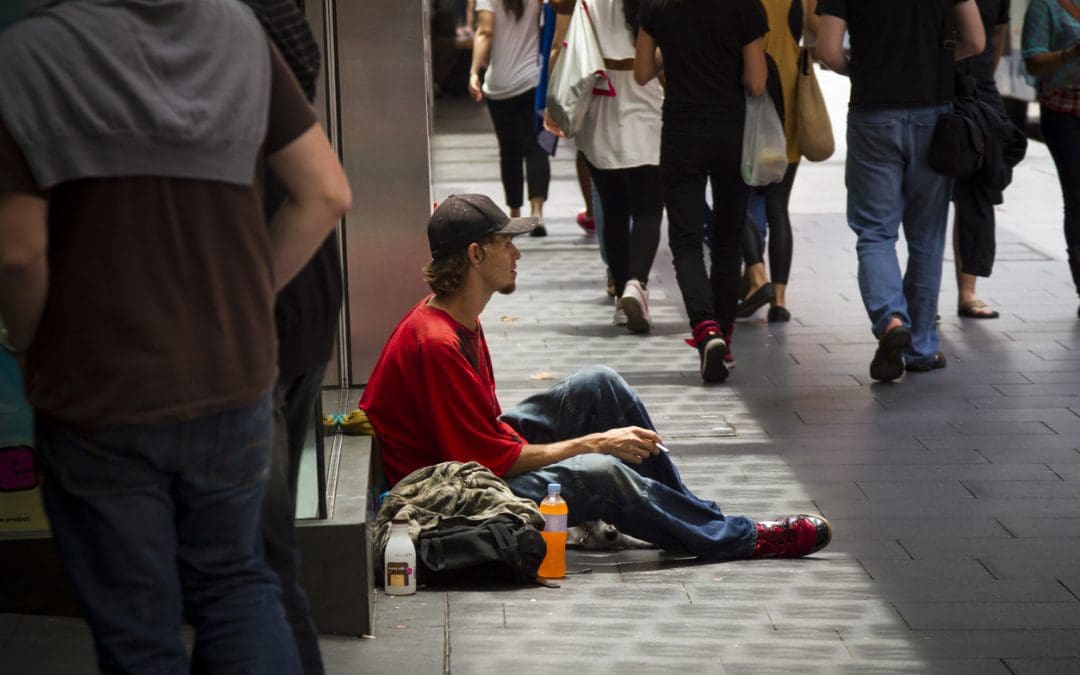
point(156, 524)
point(294, 407)
point(1062, 134)
point(687, 160)
point(515, 128)
point(628, 196)
point(648, 500)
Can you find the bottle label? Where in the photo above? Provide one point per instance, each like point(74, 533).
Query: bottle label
point(554, 522)
point(397, 574)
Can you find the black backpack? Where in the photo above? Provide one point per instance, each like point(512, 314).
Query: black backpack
point(499, 550)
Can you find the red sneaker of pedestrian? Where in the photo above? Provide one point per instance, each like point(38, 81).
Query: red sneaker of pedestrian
point(586, 222)
point(792, 537)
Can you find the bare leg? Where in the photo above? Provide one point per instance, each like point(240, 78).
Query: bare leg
point(778, 299)
point(584, 180)
point(755, 274)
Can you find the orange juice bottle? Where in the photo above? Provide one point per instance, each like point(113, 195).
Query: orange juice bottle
point(555, 510)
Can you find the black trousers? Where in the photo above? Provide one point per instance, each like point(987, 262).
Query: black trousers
point(777, 197)
point(687, 159)
point(294, 407)
point(624, 194)
point(515, 127)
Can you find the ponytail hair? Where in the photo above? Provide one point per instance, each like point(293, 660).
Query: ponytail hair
point(515, 7)
point(631, 13)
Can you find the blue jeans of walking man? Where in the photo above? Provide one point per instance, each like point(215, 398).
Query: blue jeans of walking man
point(889, 182)
point(648, 501)
point(161, 523)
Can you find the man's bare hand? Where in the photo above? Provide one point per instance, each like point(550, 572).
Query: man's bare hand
point(632, 445)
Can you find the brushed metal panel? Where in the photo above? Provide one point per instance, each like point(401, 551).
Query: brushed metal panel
point(384, 83)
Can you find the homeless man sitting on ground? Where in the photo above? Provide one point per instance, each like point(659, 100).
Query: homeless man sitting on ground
point(431, 399)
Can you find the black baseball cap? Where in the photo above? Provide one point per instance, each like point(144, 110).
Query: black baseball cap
point(462, 219)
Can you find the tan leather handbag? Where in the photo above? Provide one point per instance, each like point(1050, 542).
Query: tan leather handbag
point(812, 124)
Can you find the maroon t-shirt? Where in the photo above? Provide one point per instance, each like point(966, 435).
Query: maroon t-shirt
point(431, 398)
point(161, 295)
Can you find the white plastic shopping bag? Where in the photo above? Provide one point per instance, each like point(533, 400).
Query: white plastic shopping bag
point(764, 150)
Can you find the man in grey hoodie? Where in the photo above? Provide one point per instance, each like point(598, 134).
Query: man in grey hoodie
point(137, 277)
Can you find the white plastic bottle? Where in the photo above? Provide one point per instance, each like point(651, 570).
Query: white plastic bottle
point(399, 575)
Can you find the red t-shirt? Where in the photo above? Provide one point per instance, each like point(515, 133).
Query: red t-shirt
point(431, 398)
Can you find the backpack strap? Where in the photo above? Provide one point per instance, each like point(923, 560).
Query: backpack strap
point(431, 552)
point(947, 64)
point(505, 541)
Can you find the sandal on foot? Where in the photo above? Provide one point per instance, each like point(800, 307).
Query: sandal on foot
point(761, 296)
point(976, 309)
point(933, 363)
point(888, 363)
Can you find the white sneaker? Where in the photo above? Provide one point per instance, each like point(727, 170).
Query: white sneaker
point(635, 302)
point(619, 317)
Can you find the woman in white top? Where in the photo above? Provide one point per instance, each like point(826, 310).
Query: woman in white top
point(507, 43)
point(620, 138)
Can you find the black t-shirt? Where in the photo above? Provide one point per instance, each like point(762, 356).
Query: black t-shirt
point(981, 67)
point(702, 42)
point(897, 50)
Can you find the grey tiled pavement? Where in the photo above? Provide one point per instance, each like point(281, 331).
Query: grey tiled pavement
point(954, 495)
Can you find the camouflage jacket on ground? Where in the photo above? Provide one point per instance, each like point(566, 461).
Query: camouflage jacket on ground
point(450, 493)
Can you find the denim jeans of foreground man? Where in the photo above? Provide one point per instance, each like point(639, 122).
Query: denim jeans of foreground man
point(647, 500)
point(889, 181)
point(162, 522)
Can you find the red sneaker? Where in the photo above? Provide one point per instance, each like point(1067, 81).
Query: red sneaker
point(792, 537)
point(586, 222)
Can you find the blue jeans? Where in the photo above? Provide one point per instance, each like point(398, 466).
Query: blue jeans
point(162, 522)
point(649, 500)
point(889, 181)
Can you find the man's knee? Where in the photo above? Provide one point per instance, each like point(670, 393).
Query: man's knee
point(596, 377)
point(607, 477)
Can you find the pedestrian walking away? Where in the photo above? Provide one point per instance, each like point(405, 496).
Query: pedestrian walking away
point(901, 69)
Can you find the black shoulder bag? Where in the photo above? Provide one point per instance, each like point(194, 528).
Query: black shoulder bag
point(957, 147)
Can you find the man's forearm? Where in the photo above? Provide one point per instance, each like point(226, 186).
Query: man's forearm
point(296, 232)
point(537, 456)
point(971, 37)
point(23, 289)
point(318, 196)
point(830, 45)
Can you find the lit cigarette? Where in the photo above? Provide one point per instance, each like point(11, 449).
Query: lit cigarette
point(662, 447)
